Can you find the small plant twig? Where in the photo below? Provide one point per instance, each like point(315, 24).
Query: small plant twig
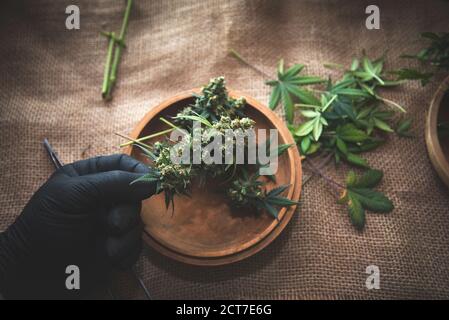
point(237, 56)
point(331, 182)
point(168, 123)
point(320, 166)
point(107, 67)
point(118, 44)
point(132, 141)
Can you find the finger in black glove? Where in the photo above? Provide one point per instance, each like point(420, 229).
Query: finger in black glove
point(87, 215)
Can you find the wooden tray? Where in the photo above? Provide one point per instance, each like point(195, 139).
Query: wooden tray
point(438, 148)
point(203, 230)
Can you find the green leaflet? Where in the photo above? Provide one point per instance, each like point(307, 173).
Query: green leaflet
point(305, 128)
point(149, 177)
point(350, 133)
point(341, 145)
point(403, 128)
point(356, 212)
point(412, 74)
point(360, 196)
point(356, 160)
point(288, 85)
point(435, 55)
point(382, 125)
point(369, 179)
point(305, 144)
point(372, 200)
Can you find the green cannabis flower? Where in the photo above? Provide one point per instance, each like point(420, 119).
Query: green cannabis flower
point(174, 177)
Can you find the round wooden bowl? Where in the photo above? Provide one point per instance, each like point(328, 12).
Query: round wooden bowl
point(203, 229)
point(438, 148)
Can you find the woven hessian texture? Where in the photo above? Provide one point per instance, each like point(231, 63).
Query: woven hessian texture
point(50, 81)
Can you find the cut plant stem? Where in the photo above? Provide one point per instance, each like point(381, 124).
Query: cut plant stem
point(107, 67)
point(320, 166)
point(391, 103)
point(168, 123)
point(336, 186)
point(160, 133)
point(118, 49)
point(133, 141)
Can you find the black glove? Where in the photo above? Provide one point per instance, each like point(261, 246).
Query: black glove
point(87, 214)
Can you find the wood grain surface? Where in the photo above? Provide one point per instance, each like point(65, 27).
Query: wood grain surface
point(437, 151)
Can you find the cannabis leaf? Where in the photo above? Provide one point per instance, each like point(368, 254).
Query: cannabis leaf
point(287, 86)
point(403, 128)
point(360, 196)
point(412, 74)
point(316, 115)
point(273, 199)
point(436, 55)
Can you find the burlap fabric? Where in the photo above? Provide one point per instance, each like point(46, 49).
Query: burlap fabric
point(50, 81)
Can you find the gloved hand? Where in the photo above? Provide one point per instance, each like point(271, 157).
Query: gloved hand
point(87, 214)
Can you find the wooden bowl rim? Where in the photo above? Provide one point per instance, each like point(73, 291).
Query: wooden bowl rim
point(273, 230)
point(434, 149)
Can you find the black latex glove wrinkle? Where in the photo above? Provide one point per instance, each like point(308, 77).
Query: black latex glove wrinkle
point(86, 214)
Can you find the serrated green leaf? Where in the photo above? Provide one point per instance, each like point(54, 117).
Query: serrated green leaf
point(369, 179)
point(287, 103)
point(280, 201)
point(356, 211)
point(367, 145)
point(403, 127)
point(364, 112)
point(350, 133)
point(292, 71)
point(271, 210)
point(303, 95)
point(305, 128)
point(281, 68)
point(275, 97)
point(305, 144)
point(412, 74)
point(317, 129)
point(351, 178)
point(371, 70)
point(309, 113)
point(314, 147)
point(353, 92)
point(380, 124)
point(372, 200)
point(278, 190)
point(283, 147)
point(356, 160)
point(341, 145)
point(355, 64)
point(306, 80)
point(149, 177)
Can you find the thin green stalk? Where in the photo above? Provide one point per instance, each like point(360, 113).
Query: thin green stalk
point(119, 48)
point(107, 67)
point(326, 178)
point(391, 103)
point(237, 56)
point(168, 122)
point(160, 133)
point(133, 140)
point(320, 166)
